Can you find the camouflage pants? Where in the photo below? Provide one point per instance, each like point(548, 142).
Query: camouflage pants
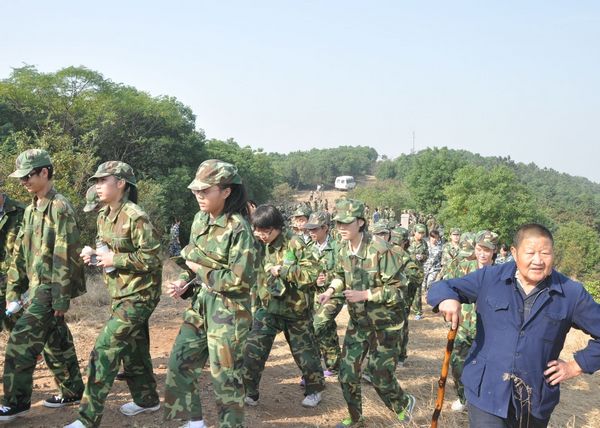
point(326, 331)
point(410, 295)
point(124, 337)
point(382, 347)
point(219, 338)
point(462, 345)
point(39, 330)
point(298, 333)
point(415, 301)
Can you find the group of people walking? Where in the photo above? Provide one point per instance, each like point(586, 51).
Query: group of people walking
point(248, 276)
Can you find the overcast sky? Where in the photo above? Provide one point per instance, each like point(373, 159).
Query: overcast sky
point(504, 78)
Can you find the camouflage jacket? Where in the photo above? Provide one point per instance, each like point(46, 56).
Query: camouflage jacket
point(229, 257)
point(325, 261)
point(128, 232)
point(418, 249)
point(47, 252)
point(468, 328)
point(10, 224)
point(374, 267)
point(434, 258)
point(288, 294)
point(412, 271)
point(449, 253)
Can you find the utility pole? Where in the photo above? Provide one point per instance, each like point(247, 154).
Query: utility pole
point(412, 152)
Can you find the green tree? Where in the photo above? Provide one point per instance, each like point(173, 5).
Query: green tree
point(387, 193)
point(577, 249)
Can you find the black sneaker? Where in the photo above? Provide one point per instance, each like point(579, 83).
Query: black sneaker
point(9, 413)
point(57, 401)
point(121, 376)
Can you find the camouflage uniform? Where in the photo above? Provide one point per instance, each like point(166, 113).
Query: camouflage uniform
point(324, 323)
point(375, 326)
point(449, 253)
point(419, 252)
point(468, 327)
point(217, 323)
point(432, 265)
point(91, 199)
point(286, 306)
point(134, 287)
point(46, 263)
point(11, 217)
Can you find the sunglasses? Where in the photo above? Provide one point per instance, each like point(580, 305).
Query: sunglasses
point(28, 176)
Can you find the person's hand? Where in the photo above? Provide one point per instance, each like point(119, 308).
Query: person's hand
point(275, 270)
point(193, 266)
point(59, 313)
point(355, 296)
point(324, 297)
point(86, 254)
point(105, 259)
point(321, 279)
point(176, 288)
point(450, 309)
point(558, 371)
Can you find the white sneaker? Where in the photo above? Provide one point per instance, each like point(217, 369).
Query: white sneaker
point(132, 409)
point(76, 424)
point(312, 400)
point(457, 406)
point(194, 424)
point(250, 401)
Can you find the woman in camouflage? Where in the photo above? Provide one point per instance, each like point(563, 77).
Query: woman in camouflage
point(132, 272)
point(220, 267)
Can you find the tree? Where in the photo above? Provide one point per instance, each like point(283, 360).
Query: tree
point(388, 193)
point(577, 249)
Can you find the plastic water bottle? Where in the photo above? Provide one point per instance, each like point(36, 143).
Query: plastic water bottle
point(102, 248)
point(15, 306)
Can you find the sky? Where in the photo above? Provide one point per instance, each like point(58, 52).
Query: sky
point(499, 78)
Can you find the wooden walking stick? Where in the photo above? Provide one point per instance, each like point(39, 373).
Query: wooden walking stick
point(442, 382)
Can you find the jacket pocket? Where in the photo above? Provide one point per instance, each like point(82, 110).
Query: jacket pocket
point(552, 325)
point(473, 373)
point(497, 315)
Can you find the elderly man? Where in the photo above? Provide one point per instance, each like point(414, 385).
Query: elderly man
point(524, 311)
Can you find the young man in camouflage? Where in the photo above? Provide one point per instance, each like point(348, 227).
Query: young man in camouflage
point(418, 251)
point(11, 216)
point(133, 274)
point(450, 250)
point(324, 251)
point(286, 306)
point(485, 245)
point(369, 275)
point(45, 263)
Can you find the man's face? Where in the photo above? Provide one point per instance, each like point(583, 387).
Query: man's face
point(484, 255)
point(318, 234)
point(35, 180)
point(455, 238)
point(418, 236)
point(349, 231)
point(534, 258)
point(298, 224)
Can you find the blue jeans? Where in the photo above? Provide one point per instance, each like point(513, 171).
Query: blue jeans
point(481, 419)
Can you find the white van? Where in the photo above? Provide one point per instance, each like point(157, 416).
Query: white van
point(345, 182)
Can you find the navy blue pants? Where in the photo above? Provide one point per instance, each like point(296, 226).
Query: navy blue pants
point(480, 419)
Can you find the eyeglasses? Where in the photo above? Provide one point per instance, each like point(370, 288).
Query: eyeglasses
point(28, 176)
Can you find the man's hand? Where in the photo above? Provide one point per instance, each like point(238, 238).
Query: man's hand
point(275, 270)
point(559, 371)
point(59, 313)
point(355, 296)
point(324, 297)
point(176, 288)
point(193, 266)
point(105, 259)
point(450, 309)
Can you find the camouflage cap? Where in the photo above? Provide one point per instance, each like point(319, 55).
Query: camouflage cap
point(421, 228)
point(317, 219)
point(399, 235)
point(91, 199)
point(467, 245)
point(455, 231)
point(213, 172)
point(381, 226)
point(487, 239)
point(348, 210)
point(302, 210)
point(118, 169)
point(30, 159)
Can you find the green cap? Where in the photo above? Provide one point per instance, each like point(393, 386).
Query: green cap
point(467, 245)
point(91, 199)
point(317, 219)
point(419, 227)
point(29, 160)
point(455, 231)
point(382, 226)
point(302, 210)
point(348, 210)
point(487, 239)
point(213, 172)
point(118, 169)
point(399, 235)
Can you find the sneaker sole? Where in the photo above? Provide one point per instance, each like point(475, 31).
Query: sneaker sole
point(13, 417)
point(144, 410)
point(59, 405)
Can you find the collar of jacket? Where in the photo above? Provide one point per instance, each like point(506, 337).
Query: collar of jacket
point(45, 200)
point(280, 240)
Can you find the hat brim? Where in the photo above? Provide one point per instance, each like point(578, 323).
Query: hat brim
point(486, 245)
point(311, 226)
point(89, 207)
point(199, 185)
point(345, 220)
point(20, 173)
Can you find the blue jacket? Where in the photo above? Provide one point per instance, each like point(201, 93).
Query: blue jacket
point(506, 345)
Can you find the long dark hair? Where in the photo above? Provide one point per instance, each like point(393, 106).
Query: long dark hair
point(131, 193)
point(236, 202)
point(266, 216)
